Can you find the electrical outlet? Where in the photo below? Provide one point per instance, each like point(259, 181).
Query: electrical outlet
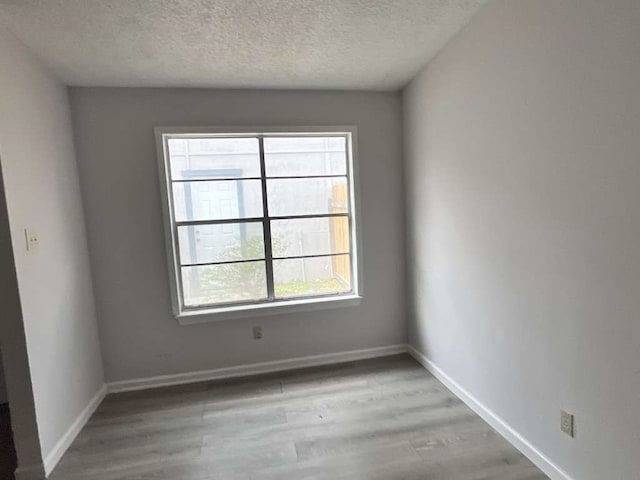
point(567, 423)
point(32, 240)
point(257, 333)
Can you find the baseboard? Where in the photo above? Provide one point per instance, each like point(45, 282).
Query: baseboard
point(30, 472)
point(497, 423)
point(54, 456)
point(254, 368)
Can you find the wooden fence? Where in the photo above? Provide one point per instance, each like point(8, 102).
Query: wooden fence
point(340, 238)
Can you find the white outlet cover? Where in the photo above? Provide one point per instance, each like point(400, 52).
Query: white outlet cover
point(257, 333)
point(567, 423)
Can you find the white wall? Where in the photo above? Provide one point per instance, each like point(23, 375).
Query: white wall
point(56, 300)
point(118, 169)
point(523, 176)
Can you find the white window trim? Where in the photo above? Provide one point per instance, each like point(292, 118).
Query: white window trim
point(188, 316)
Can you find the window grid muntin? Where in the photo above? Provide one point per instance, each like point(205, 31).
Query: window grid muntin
point(266, 219)
point(266, 229)
point(249, 260)
point(277, 177)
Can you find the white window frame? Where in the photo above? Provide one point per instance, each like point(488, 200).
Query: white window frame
point(190, 315)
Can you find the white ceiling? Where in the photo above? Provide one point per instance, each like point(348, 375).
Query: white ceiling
point(336, 44)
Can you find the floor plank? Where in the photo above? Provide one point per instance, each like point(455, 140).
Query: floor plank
point(385, 419)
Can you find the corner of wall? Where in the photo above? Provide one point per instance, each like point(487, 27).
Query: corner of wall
point(52, 458)
point(494, 420)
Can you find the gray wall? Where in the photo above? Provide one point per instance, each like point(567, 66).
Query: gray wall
point(4, 395)
point(15, 359)
point(523, 173)
point(55, 314)
point(117, 160)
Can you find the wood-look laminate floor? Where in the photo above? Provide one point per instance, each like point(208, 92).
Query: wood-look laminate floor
point(382, 419)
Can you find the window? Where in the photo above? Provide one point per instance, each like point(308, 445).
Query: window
point(259, 220)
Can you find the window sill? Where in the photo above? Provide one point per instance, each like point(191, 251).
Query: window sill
point(274, 308)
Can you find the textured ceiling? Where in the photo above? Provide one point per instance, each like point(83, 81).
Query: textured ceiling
point(338, 44)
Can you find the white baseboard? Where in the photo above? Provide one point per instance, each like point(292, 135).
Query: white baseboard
point(30, 472)
point(498, 424)
point(53, 457)
point(254, 368)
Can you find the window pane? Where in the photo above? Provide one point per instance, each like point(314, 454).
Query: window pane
point(219, 200)
point(226, 283)
point(305, 156)
point(308, 196)
point(303, 277)
point(213, 158)
point(226, 242)
point(310, 236)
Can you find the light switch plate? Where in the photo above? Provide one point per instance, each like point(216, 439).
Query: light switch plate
point(32, 240)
